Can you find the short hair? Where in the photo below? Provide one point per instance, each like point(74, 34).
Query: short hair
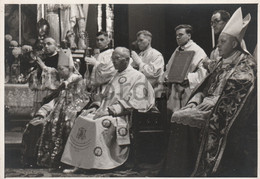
point(102, 33)
point(145, 33)
point(188, 28)
point(224, 15)
point(123, 52)
point(52, 39)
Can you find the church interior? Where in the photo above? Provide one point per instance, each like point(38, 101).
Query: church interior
point(24, 28)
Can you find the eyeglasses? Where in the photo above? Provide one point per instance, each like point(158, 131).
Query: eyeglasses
point(214, 22)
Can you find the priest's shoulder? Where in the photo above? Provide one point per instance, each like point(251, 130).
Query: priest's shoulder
point(108, 51)
point(137, 73)
point(155, 52)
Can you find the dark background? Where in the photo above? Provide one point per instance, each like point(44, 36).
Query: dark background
point(161, 19)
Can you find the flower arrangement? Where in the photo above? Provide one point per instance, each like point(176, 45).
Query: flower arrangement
point(13, 56)
point(8, 38)
point(13, 43)
point(16, 52)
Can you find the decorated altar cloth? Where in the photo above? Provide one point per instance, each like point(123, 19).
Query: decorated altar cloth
point(18, 100)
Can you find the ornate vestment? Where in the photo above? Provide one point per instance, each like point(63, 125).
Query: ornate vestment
point(229, 120)
point(103, 143)
point(60, 114)
point(228, 88)
point(43, 82)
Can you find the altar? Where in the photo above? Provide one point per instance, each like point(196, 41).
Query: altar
point(18, 101)
point(18, 111)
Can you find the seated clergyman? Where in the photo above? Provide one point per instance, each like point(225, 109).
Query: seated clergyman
point(46, 134)
point(100, 137)
point(218, 107)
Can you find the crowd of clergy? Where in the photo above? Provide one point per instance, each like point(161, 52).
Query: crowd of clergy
point(84, 121)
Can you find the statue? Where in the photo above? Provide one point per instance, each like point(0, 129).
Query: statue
point(83, 42)
point(43, 29)
point(71, 15)
point(53, 18)
point(70, 39)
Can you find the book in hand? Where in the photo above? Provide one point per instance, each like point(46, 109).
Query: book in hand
point(180, 65)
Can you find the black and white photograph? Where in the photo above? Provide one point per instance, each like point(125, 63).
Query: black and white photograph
point(131, 89)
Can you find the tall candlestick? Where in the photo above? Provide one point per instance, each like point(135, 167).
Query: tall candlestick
point(20, 25)
point(42, 11)
point(213, 37)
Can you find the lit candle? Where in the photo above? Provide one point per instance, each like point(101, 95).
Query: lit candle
point(20, 25)
point(42, 10)
point(213, 37)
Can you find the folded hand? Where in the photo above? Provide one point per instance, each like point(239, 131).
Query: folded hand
point(206, 62)
point(90, 60)
point(136, 58)
point(100, 114)
point(88, 111)
point(37, 120)
point(205, 106)
point(191, 105)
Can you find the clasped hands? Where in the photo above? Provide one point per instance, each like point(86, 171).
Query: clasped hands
point(37, 120)
point(136, 58)
point(204, 106)
point(93, 111)
point(40, 62)
point(90, 60)
point(196, 116)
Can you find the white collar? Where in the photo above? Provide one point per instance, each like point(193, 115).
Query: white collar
point(146, 50)
point(188, 44)
point(230, 59)
point(55, 53)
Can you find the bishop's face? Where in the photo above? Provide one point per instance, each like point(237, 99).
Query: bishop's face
point(226, 45)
